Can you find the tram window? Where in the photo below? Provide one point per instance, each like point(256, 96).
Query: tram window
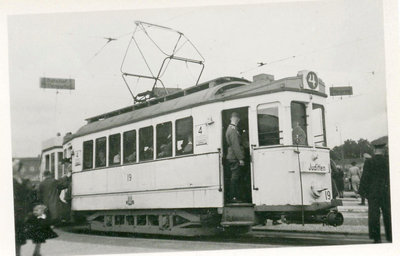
point(141, 220)
point(52, 163)
point(299, 123)
point(268, 125)
point(119, 219)
point(146, 151)
point(88, 154)
point(59, 164)
point(153, 220)
point(114, 149)
point(164, 139)
point(101, 152)
point(47, 163)
point(184, 136)
point(130, 219)
point(109, 220)
point(318, 125)
point(129, 147)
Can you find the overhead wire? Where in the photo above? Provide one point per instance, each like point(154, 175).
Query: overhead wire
point(266, 63)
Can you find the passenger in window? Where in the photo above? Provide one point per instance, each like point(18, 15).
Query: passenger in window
point(117, 158)
point(298, 134)
point(187, 145)
point(148, 153)
point(102, 158)
point(166, 149)
point(131, 157)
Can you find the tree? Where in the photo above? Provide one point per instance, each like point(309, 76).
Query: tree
point(365, 147)
point(351, 149)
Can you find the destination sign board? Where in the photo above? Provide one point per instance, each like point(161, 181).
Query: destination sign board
point(341, 90)
point(57, 83)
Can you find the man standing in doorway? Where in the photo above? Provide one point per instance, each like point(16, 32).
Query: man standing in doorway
point(235, 156)
point(375, 186)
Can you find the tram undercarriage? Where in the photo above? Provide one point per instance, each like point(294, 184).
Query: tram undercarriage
point(232, 219)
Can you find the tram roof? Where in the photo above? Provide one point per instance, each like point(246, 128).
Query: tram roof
point(220, 89)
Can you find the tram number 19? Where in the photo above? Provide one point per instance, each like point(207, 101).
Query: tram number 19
point(328, 195)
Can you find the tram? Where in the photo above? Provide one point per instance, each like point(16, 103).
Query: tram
point(159, 166)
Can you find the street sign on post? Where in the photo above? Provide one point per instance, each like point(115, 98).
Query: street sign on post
point(57, 83)
point(341, 90)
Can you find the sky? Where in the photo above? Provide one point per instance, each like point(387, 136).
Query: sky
point(341, 40)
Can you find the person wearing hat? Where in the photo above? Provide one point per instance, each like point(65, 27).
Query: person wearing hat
point(375, 186)
point(235, 156)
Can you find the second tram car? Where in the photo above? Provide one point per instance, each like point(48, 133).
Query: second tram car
point(159, 166)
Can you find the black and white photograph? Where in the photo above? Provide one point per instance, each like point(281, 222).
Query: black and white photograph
point(261, 127)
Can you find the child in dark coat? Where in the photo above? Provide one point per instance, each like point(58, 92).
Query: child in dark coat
point(38, 228)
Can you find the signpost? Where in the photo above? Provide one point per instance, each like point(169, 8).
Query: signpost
point(340, 91)
point(57, 83)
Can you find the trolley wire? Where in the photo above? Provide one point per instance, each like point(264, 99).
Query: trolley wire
point(265, 63)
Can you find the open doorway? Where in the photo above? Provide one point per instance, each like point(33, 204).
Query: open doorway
point(244, 189)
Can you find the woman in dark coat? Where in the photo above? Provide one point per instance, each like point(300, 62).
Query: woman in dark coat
point(339, 178)
point(22, 205)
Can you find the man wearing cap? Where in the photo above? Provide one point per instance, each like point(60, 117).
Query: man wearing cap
point(375, 186)
point(235, 155)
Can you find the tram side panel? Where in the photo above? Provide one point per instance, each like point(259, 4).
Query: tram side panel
point(186, 182)
point(276, 175)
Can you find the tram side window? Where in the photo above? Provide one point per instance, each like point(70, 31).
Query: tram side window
point(164, 139)
point(101, 152)
point(114, 149)
point(52, 163)
point(59, 164)
point(268, 125)
point(299, 123)
point(184, 136)
point(47, 163)
point(129, 147)
point(88, 154)
point(318, 125)
point(146, 151)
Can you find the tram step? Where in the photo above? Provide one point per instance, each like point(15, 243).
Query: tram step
point(238, 214)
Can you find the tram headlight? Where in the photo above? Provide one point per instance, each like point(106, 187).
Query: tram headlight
point(316, 192)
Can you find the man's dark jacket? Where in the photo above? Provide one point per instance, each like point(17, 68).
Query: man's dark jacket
point(49, 192)
point(375, 184)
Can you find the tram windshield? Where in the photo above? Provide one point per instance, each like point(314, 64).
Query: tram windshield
point(268, 124)
point(299, 123)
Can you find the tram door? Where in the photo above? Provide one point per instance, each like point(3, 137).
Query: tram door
point(244, 189)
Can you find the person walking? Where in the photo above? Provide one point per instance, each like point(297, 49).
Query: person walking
point(38, 228)
point(355, 175)
point(22, 205)
point(49, 194)
point(235, 156)
point(375, 186)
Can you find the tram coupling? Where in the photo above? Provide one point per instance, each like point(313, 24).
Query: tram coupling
point(331, 218)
